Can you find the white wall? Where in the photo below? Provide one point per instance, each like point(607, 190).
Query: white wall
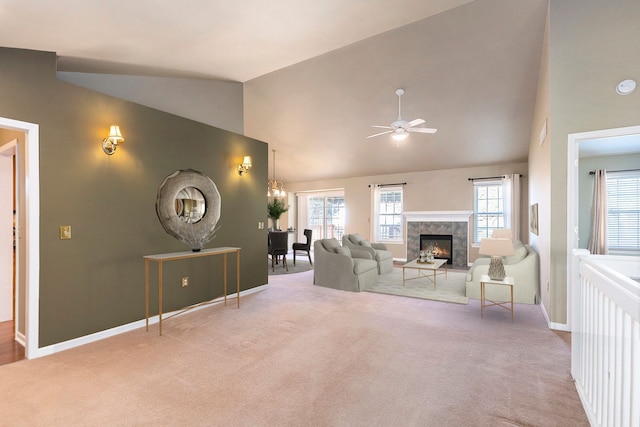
point(438, 190)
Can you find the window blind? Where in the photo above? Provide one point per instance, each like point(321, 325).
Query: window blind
point(623, 210)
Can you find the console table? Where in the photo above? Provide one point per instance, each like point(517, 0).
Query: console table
point(160, 258)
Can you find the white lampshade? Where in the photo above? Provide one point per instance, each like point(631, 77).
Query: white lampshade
point(114, 133)
point(496, 247)
point(247, 162)
point(504, 233)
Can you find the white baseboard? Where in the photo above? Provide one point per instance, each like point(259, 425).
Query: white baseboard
point(77, 342)
point(553, 325)
point(21, 339)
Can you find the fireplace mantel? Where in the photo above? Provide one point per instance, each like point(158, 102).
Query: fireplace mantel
point(454, 223)
point(438, 216)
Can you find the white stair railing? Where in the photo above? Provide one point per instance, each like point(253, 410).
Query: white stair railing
point(605, 342)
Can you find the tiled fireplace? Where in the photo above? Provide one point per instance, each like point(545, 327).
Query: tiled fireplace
point(438, 226)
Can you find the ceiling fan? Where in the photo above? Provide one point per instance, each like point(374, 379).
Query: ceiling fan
point(400, 129)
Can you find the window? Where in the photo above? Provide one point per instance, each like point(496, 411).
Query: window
point(388, 215)
point(324, 213)
point(488, 206)
point(623, 211)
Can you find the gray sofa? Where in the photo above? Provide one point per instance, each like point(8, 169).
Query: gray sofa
point(378, 251)
point(523, 266)
point(341, 268)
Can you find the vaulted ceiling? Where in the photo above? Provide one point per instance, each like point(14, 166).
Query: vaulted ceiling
point(317, 75)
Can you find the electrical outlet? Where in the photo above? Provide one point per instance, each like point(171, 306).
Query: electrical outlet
point(260, 225)
point(547, 286)
point(185, 281)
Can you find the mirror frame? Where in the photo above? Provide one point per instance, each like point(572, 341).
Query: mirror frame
point(195, 235)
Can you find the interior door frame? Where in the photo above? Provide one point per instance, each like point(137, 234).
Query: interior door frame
point(573, 156)
point(30, 230)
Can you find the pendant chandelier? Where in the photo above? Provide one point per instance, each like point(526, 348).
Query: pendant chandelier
point(275, 188)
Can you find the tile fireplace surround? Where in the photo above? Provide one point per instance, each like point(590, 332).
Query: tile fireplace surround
point(455, 223)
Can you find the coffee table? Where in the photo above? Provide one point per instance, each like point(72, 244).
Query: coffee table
point(422, 267)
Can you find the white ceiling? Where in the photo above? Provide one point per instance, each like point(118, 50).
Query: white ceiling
point(318, 74)
point(629, 144)
point(235, 40)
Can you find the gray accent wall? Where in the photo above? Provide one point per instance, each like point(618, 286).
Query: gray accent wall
point(95, 281)
point(214, 102)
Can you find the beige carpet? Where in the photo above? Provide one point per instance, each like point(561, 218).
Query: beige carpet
point(447, 289)
point(297, 354)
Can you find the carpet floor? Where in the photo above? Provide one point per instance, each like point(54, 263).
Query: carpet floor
point(451, 288)
point(297, 354)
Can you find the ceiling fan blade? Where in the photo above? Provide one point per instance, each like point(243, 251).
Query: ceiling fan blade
point(423, 130)
point(382, 127)
point(381, 133)
point(415, 122)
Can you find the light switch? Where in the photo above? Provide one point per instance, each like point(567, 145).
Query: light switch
point(65, 232)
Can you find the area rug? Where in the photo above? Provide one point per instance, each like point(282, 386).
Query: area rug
point(302, 264)
point(449, 289)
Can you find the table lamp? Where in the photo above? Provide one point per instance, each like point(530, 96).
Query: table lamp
point(497, 248)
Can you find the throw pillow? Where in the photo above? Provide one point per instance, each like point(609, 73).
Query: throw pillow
point(519, 253)
point(343, 251)
point(365, 243)
point(330, 244)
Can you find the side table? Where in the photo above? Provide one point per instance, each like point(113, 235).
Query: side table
point(507, 281)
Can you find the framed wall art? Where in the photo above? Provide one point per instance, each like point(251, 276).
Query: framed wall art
point(533, 219)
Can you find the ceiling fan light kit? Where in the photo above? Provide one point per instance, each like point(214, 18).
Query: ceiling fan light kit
point(400, 128)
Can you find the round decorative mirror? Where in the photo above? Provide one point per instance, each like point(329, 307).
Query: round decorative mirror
point(188, 207)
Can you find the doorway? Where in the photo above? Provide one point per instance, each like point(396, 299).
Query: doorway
point(605, 142)
point(322, 212)
point(11, 349)
point(27, 230)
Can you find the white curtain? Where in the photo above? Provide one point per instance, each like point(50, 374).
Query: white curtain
point(598, 239)
point(511, 197)
point(375, 209)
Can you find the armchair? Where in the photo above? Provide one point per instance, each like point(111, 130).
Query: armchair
point(523, 266)
point(340, 268)
point(378, 251)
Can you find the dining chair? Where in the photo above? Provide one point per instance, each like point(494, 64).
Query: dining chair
point(303, 247)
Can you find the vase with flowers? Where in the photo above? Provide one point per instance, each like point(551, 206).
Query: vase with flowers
point(275, 209)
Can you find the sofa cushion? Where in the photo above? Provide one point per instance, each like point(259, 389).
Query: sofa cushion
point(343, 251)
point(365, 243)
point(330, 244)
point(383, 255)
point(363, 265)
point(355, 238)
point(519, 253)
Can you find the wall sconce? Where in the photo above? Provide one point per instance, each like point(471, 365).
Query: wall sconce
point(110, 143)
point(245, 165)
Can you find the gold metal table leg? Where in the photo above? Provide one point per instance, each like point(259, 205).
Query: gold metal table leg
point(224, 276)
point(146, 293)
point(160, 296)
